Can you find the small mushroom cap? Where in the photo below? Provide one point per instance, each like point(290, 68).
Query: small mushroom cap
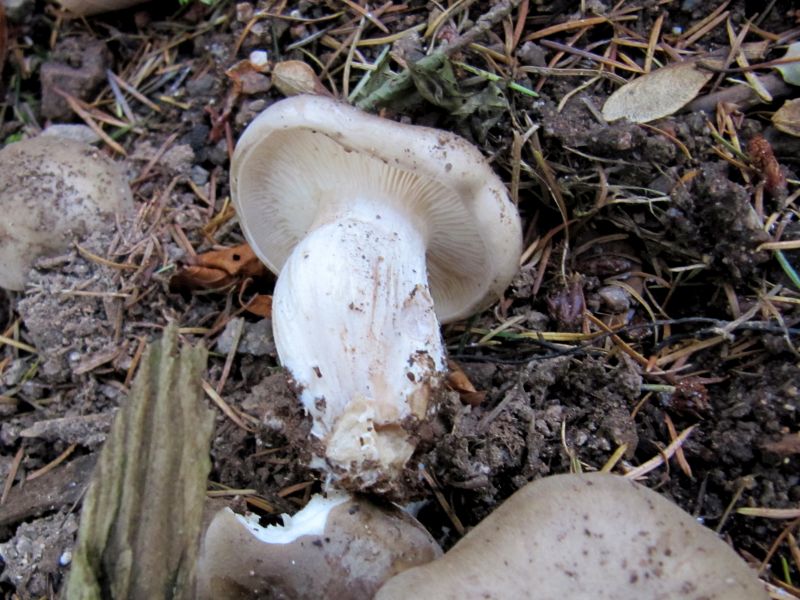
point(332, 549)
point(53, 190)
point(579, 537)
point(302, 159)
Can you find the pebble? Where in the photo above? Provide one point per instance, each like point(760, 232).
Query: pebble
point(72, 131)
point(16, 10)
point(256, 337)
point(615, 298)
point(199, 175)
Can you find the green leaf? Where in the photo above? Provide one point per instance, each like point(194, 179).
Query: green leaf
point(791, 71)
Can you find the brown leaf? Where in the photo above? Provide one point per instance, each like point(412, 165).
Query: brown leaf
point(260, 305)
point(459, 382)
point(218, 268)
point(198, 278)
point(239, 261)
point(293, 77)
point(657, 94)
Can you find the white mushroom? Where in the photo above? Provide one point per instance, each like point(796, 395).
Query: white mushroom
point(593, 536)
point(52, 191)
point(336, 547)
point(375, 228)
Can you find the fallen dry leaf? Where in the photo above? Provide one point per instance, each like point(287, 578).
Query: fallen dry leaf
point(218, 268)
point(787, 117)
point(459, 382)
point(260, 305)
point(293, 77)
point(656, 95)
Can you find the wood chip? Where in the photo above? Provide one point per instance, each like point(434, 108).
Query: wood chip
point(62, 486)
point(142, 515)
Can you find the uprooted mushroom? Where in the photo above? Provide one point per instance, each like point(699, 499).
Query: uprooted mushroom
point(336, 547)
point(375, 228)
point(583, 536)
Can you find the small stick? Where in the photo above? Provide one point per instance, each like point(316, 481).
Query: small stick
point(402, 82)
point(744, 96)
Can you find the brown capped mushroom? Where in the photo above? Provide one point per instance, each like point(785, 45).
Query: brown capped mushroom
point(52, 191)
point(375, 228)
point(592, 536)
point(336, 547)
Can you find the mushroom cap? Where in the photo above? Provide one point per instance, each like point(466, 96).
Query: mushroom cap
point(583, 536)
point(53, 190)
point(302, 159)
point(332, 549)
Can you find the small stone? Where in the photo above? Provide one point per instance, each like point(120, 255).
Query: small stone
point(16, 10)
point(218, 153)
point(256, 338)
point(615, 298)
point(179, 159)
point(258, 58)
point(249, 111)
point(532, 54)
point(72, 131)
point(200, 86)
point(254, 83)
point(244, 12)
point(78, 66)
point(199, 175)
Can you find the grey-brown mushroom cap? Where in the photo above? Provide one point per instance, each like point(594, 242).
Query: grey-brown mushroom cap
point(53, 191)
point(304, 153)
point(579, 537)
point(361, 547)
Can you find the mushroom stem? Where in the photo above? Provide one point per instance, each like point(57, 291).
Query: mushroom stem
point(355, 326)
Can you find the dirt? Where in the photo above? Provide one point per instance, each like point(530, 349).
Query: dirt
point(663, 243)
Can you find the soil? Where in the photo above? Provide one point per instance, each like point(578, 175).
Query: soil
point(665, 225)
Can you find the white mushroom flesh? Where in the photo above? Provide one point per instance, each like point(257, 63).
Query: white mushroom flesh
point(335, 547)
point(309, 521)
